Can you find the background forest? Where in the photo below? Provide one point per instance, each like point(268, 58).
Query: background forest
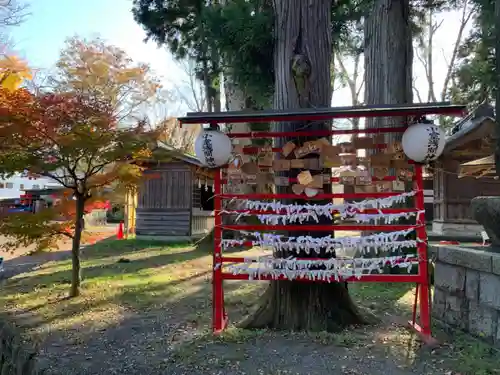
point(233, 42)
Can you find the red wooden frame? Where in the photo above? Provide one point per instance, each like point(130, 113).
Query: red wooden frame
point(421, 279)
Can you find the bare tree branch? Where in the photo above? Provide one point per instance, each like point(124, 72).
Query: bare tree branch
point(190, 91)
point(467, 13)
point(417, 92)
point(12, 13)
point(351, 78)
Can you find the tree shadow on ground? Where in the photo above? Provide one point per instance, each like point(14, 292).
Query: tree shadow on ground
point(157, 323)
point(32, 260)
point(121, 267)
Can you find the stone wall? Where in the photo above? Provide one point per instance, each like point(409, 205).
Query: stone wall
point(15, 356)
point(467, 290)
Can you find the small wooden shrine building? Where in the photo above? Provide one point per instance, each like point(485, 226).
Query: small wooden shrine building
point(464, 172)
point(173, 205)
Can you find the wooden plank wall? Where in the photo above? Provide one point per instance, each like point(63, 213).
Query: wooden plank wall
point(164, 202)
point(452, 195)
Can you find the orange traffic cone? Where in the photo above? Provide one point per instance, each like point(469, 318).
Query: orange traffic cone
point(119, 235)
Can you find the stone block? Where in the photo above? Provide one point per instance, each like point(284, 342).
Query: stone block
point(497, 340)
point(450, 278)
point(456, 312)
point(489, 290)
point(495, 260)
point(439, 303)
point(468, 258)
point(472, 285)
point(482, 321)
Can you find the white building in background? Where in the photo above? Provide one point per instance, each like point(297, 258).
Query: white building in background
point(14, 186)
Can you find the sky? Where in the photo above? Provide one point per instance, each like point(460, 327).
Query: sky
point(40, 38)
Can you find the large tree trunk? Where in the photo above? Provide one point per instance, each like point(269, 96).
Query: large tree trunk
point(388, 59)
point(497, 84)
point(302, 60)
point(388, 64)
point(76, 275)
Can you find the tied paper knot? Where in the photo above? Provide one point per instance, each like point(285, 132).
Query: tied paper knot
point(294, 213)
point(345, 210)
point(332, 269)
point(384, 241)
point(276, 219)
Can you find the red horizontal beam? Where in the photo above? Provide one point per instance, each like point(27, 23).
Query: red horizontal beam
point(319, 228)
point(242, 260)
point(367, 211)
point(304, 197)
point(376, 278)
point(315, 133)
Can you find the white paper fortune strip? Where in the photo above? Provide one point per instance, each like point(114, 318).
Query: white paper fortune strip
point(345, 210)
point(301, 217)
point(383, 241)
point(337, 269)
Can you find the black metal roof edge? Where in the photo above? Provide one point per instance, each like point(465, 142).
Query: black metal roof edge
point(471, 122)
point(387, 109)
point(179, 155)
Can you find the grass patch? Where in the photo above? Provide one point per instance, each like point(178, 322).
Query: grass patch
point(116, 274)
point(173, 282)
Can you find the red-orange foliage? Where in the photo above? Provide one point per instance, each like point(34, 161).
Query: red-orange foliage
point(74, 140)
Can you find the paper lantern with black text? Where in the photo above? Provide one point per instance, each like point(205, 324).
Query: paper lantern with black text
point(423, 143)
point(213, 148)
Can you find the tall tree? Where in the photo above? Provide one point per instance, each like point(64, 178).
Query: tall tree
point(182, 26)
point(425, 49)
point(475, 74)
point(190, 90)
point(302, 61)
point(388, 57)
point(102, 71)
point(497, 101)
point(350, 50)
point(75, 141)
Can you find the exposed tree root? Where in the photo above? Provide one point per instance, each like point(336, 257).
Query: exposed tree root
point(302, 306)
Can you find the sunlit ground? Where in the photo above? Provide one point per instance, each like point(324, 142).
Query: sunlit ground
point(125, 278)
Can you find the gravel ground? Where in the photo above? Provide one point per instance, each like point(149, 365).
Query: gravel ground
point(144, 346)
point(172, 337)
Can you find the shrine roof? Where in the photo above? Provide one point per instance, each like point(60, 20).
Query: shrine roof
point(478, 125)
point(484, 167)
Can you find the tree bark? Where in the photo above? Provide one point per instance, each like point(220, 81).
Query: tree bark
point(76, 275)
point(497, 91)
point(388, 64)
point(302, 61)
point(388, 59)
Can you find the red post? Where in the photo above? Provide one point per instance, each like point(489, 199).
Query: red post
point(217, 279)
point(423, 269)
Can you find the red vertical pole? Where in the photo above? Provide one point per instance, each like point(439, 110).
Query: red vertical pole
point(217, 287)
point(423, 269)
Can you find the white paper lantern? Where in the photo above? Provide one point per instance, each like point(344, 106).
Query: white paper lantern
point(213, 148)
point(423, 142)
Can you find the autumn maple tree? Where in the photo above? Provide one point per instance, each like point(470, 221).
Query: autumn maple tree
point(12, 72)
point(102, 71)
point(76, 141)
